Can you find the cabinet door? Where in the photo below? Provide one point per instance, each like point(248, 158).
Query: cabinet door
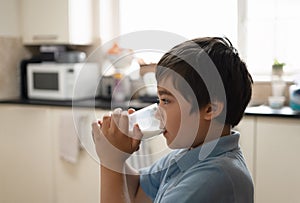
point(78, 181)
point(278, 160)
point(247, 141)
point(57, 22)
point(44, 21)
point(26, 162)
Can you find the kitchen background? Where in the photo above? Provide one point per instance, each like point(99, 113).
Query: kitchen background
point(42, 161)
point(262, 32)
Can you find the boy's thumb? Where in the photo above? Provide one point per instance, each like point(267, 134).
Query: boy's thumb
point(137, 133)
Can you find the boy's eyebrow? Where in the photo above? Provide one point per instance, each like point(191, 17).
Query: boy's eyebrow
point(164, 92)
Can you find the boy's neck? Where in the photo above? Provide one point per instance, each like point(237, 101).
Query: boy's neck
point(226, 130)
point(214, 133)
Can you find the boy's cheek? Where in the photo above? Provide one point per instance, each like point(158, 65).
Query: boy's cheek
point(187, 130)
point(173, 128)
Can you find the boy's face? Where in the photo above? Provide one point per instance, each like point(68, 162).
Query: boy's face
point(181, 125)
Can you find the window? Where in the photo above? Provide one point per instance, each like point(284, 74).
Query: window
point(188, 18)
point(272, 32)
point(261, 30)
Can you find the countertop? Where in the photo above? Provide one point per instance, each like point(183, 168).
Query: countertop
point(89, 103)
point(262, 110)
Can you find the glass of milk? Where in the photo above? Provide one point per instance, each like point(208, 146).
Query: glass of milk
point(149, 119)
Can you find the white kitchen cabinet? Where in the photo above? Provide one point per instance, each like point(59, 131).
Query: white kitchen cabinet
point(26, 155)
point(57, 22)
point(75, 182)
point(278, 160)
point(32, 170)
point(246, 127)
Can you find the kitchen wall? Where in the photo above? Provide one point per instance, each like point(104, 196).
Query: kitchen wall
point(11, 49)
point(9, 21)
point(262, 90)
point(12, 52)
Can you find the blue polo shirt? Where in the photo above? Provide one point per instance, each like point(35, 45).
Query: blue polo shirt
point(185, 176)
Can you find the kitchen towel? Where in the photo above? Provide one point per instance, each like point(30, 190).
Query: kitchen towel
point(69, 144)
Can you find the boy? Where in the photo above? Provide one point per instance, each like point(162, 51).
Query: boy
point(203, 89)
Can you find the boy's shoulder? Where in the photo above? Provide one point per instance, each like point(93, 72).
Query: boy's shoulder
point(171, 157)
point(225, 175)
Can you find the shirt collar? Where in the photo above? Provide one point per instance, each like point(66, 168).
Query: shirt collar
point(186, 158)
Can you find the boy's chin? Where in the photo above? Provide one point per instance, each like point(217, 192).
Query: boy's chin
point(173, 145)
point(178, 143)
point(170, 140)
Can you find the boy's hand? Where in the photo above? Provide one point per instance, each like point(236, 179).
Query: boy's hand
point(113, 145)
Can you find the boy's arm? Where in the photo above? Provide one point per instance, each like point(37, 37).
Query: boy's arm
point(113, 186)
point(117, 187)
point(113, 147)
point(135, 190)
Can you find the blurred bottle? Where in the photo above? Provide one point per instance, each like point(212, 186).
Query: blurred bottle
point(295, 96)
point(119, 91)
point(278, 87)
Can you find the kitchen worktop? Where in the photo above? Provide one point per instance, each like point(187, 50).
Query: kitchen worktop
point(89, 103)
point(262, 110)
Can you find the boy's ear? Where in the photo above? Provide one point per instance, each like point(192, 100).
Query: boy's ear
point(213, 110)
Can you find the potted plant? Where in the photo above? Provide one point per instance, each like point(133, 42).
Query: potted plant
point(278, 83)
point(277, 68)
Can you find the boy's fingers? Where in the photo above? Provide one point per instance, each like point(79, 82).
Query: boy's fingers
point(137, 136)
point(106, 122)
point(130, 111)
point(114, 123)
point(95, 130)
point(137, 133)
point(95, 127)
point(123, 122)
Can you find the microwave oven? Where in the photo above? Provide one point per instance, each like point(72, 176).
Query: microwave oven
point(56, 81)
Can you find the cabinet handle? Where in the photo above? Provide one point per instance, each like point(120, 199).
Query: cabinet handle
point(44, 37)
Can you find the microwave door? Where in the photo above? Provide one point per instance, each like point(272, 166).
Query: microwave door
point(45, 83)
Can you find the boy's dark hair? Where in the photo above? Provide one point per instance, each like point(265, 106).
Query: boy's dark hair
point(184, 59)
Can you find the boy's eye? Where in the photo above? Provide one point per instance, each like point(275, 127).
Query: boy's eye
point(164, 101)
